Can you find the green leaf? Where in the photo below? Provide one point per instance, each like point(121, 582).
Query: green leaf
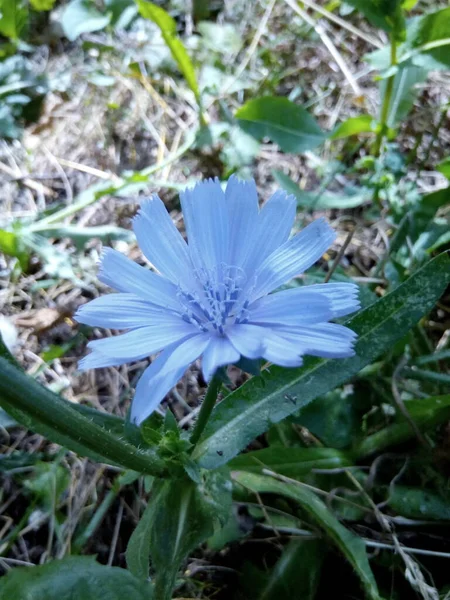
point(179, 517)
point(11, 244)
point(444, 167)
point(426, 413)
point(321, 199)
point(429, 37)
point(13, 18)
point(41, 5)
point(404, 92)
point(40, 410)
point(168, 29)
point(277, 393)
point(285, 123)
point(296, 573)
point(417, 503)
point(73, 578)
point(351, 546)
point(49, 481)
point(291, 462)
point(81, 16)
point(385, 14)
point(353, 126)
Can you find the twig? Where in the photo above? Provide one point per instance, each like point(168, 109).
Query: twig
point(329, 44)
point(344, 24)
point(339, 255)
point(37, 187)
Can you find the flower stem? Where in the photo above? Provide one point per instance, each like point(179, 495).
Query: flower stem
point(206, 409)
point(387, 99)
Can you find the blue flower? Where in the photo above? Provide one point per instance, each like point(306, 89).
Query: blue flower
point(212, 297)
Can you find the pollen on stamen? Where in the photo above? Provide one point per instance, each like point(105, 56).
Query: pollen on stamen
point(220, 300)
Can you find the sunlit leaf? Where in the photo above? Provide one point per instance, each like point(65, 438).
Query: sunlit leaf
point(353, 126)
point(282, 121)
point(168, 28)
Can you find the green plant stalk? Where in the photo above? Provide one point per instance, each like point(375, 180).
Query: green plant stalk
point(35, 406)
point(397, 433)
point(387, 99)
point(206, 409)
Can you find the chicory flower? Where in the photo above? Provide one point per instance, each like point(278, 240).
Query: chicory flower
point(215, 295)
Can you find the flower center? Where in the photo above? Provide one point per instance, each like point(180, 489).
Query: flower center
point(218, 300)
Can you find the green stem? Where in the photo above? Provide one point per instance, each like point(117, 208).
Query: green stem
point(387, 98)
point(40, 410)
point(206, 409)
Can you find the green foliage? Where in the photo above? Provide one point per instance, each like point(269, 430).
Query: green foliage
point(291, 462)
point(42, 5)
point(349, 544)
point(168, 28)
point(277, 393)
point(81, 16)
point(416, 503)
point(49, 482)
point(295, 575)
point(73, 578)
point(283, 122)
point(384, 14)
point(180, 516)
point(41, 410)
point(21, 92)
point(353, 126)
point(348, 198)
point(13, 18)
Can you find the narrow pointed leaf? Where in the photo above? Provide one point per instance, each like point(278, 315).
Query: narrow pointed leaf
point(168, 29)
point(291, 462)
point(351, 546)
point(277, 393)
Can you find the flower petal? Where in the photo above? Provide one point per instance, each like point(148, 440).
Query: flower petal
point(123, 311)
point(241, 200)
point(206, 220)
point(247, 339)
point(97, 360)
point(328, 340)
point(161, 242)
point(142, 342)
point(218, 353)
point(271, 229)
point(163, 374)
point(291, 307)
point(124, 275)
point(293, 257)
point(281, 351)
point(342, 296)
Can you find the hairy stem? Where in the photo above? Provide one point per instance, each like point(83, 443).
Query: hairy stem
point(387, 99)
